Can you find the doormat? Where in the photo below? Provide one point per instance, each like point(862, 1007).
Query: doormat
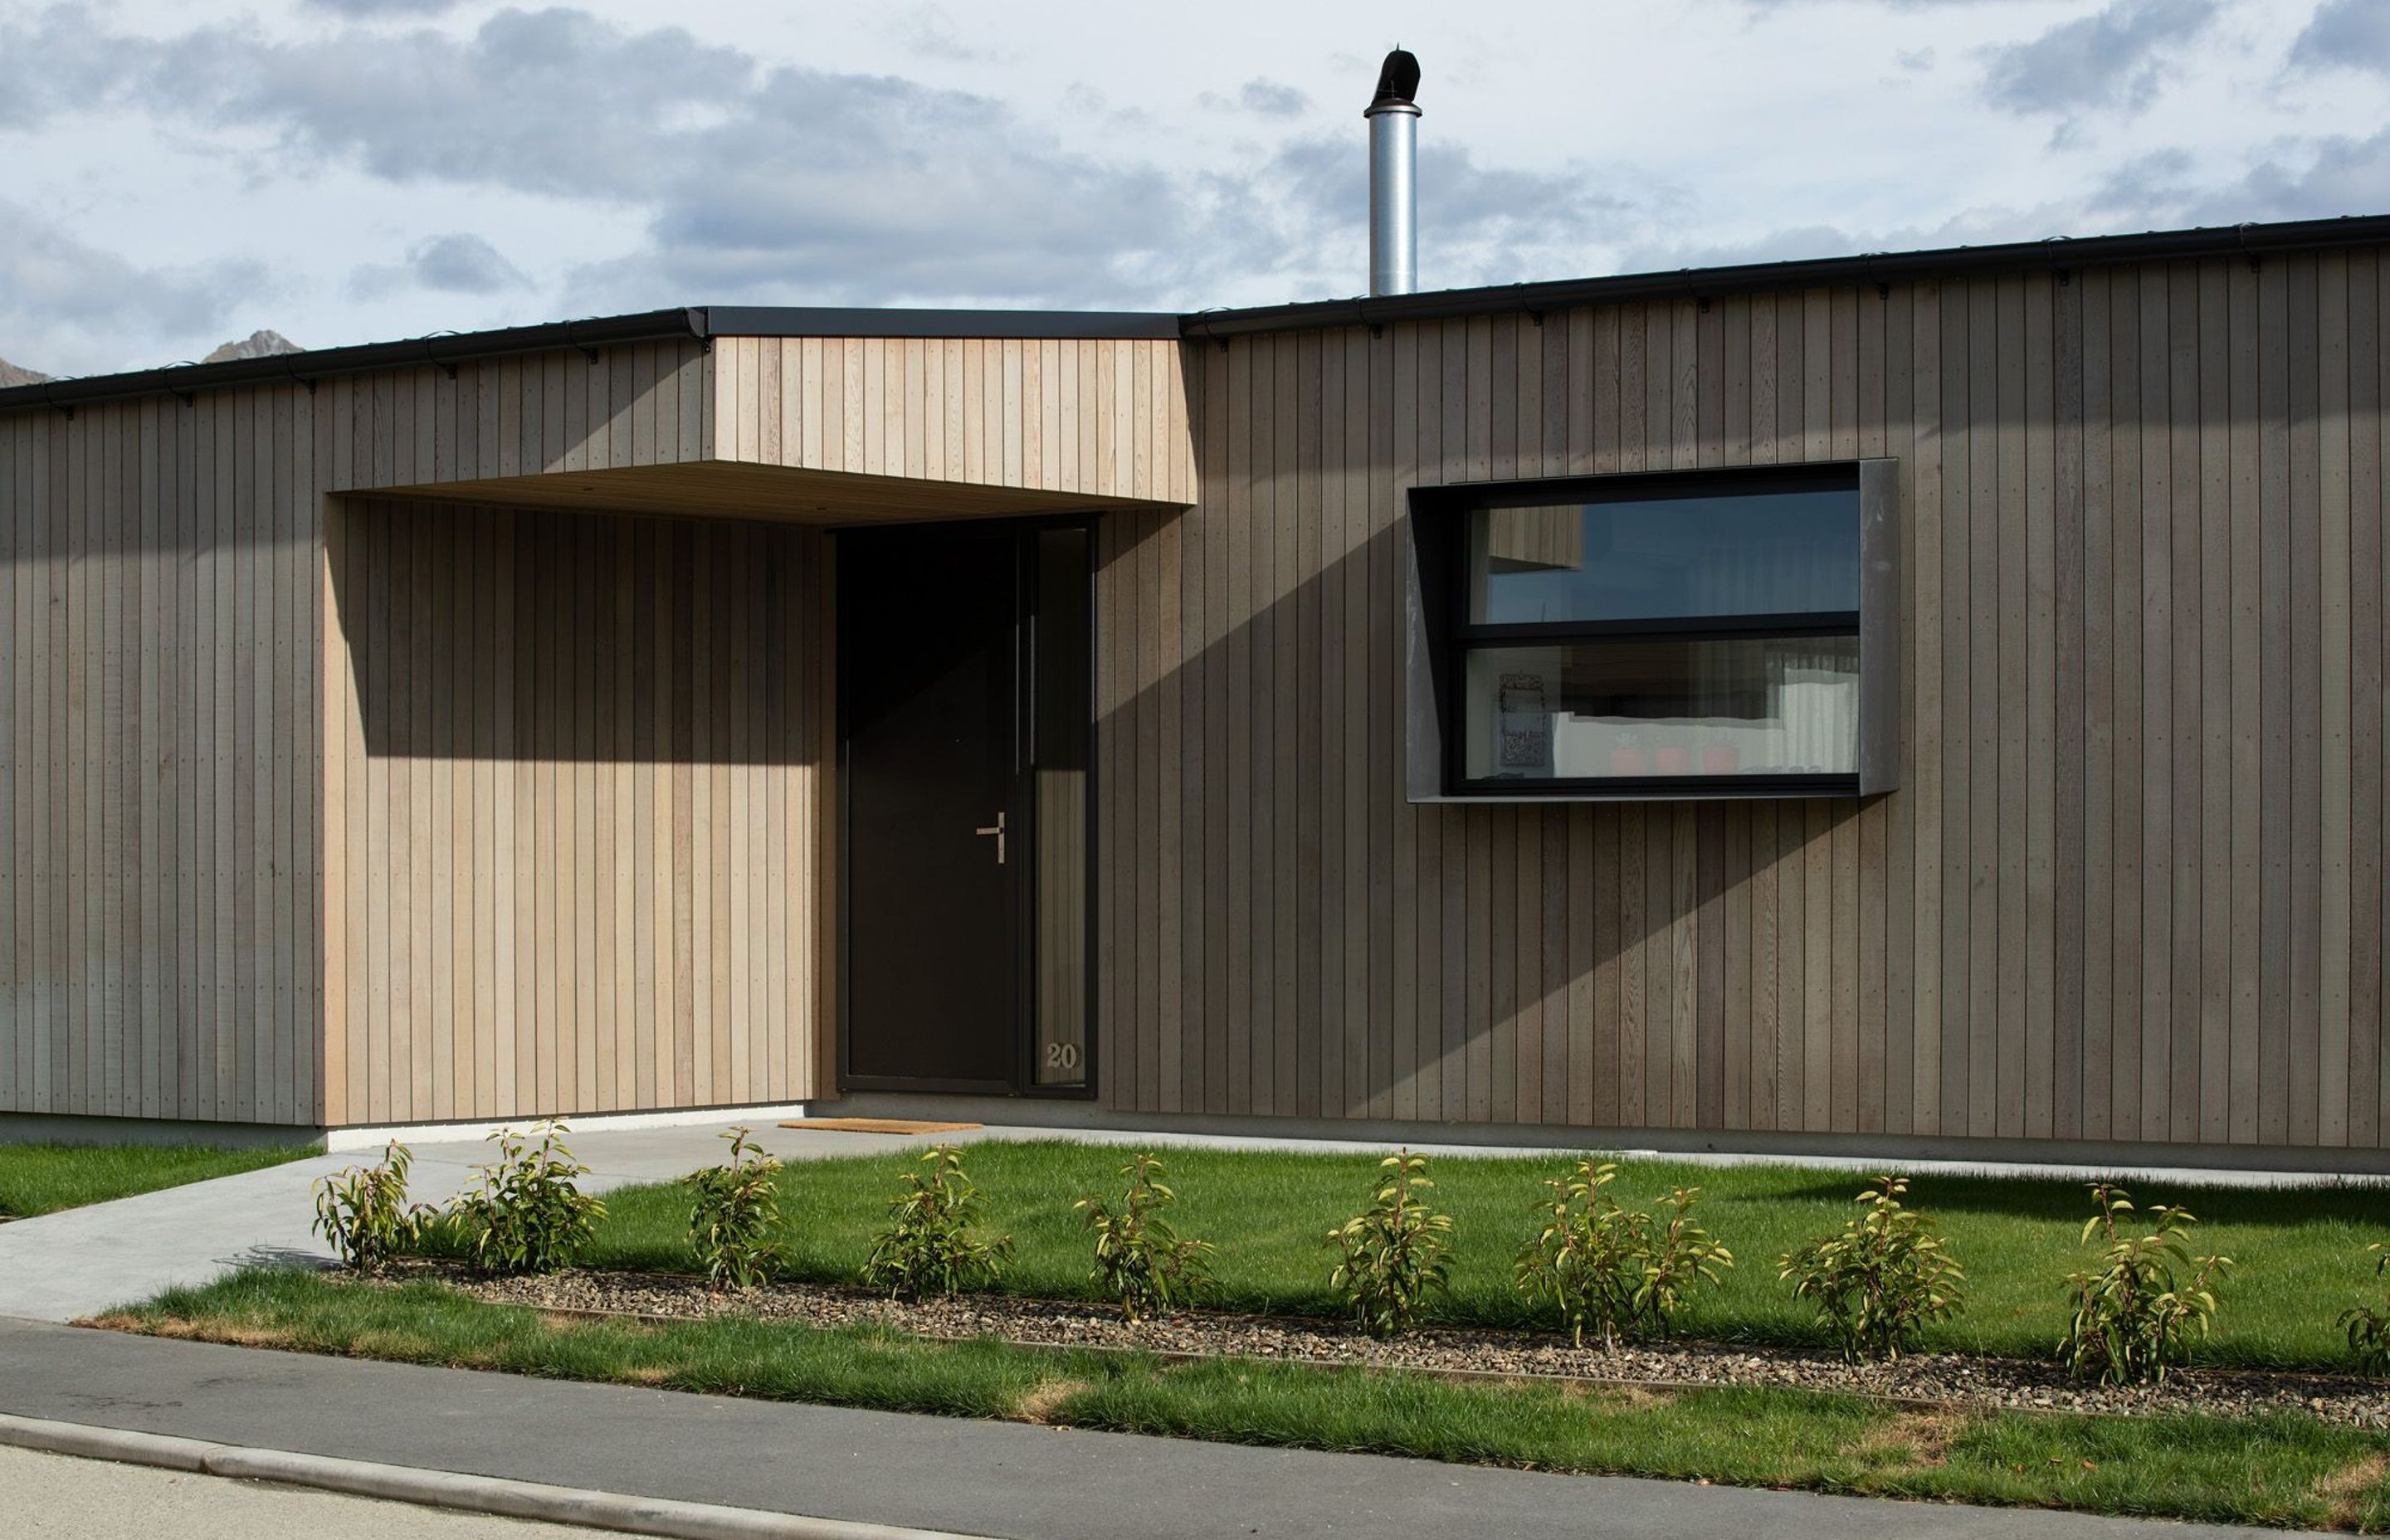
point(879, 1125)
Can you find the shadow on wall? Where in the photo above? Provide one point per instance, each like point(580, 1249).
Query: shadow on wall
point(1290, 936)
point(481, 632)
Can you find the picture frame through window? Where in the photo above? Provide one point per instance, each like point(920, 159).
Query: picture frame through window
point(1665, 634)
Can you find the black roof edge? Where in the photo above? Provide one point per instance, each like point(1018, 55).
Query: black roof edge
point(1703, 283)
point(444, 349)
point(448, 350)
point(1000, 325)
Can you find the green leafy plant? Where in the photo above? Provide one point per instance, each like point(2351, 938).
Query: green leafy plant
point(1618, 1269)
point(1881, 1279)
point(362, 1210)
point(1392, 1252)
point(931, 1245)
point(2138, 1315)
point(736, 1215)
point(2369, 1327)
point(528, 1214)
point(1141, 1260)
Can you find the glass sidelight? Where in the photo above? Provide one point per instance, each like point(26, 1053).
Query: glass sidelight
point(1059, 624)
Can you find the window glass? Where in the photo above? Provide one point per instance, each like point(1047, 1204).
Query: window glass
point(1058, 652)
point(1772, 553)
point(1661, 706)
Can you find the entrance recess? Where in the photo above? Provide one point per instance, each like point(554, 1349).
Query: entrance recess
point(964, 704)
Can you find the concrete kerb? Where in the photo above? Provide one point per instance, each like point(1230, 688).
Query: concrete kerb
point(557, 1505)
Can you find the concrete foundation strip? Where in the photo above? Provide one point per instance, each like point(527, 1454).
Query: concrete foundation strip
point(555, 1505)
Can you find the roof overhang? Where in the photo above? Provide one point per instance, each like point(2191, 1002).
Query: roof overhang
point(731, 488)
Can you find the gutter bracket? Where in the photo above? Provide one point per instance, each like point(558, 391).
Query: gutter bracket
point(594, 354)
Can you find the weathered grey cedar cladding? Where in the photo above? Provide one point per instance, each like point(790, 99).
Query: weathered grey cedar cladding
point(2131, 887)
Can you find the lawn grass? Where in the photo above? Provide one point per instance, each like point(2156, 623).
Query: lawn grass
point(2277, 1469)
point(2301, 1252)
point(42, 1178)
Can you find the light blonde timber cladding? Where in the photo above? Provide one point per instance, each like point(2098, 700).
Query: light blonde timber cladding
point(1101, 420)
point(223, 899)
point(2132, 886)
point(616, 723)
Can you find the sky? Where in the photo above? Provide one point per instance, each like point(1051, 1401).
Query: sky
point(174, 174)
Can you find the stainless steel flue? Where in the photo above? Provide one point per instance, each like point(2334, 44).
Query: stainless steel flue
point(1394, 177)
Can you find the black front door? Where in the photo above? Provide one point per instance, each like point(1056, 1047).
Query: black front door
point(957, 817)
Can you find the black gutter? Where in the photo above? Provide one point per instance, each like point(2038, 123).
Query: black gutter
point(2253, 241)
point(1002, 325)
point(448, 350)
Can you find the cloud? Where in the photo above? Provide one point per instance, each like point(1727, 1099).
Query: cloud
point(928, 31)
point(2113, 59)
point(367, 10)
point(460, 264)
point(1271, 98)
point(61, 297)
point(801, 185)
point(2353, 33)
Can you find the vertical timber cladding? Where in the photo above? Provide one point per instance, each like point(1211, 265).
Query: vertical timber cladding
point(2131, 887)
point(574, 808)
point(159, 610)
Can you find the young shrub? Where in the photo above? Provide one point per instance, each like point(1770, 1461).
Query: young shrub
point(2139, 1314)
point(931, 1245)
point(1882, 1279)
point(1394, 1251)
point(1141, 1260)
point(363, 1212)
point(529, 1213)
point(2367, 1328)
point(1618, 1268)
point(735, 1215)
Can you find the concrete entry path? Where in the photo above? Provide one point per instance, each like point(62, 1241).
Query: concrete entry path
point(973, 1478)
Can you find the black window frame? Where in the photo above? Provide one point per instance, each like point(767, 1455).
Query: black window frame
point(1441, 633)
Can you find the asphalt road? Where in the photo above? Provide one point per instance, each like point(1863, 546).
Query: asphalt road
point(940, 1474)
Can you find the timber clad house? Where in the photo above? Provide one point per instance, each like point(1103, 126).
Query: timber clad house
point(1927, 704)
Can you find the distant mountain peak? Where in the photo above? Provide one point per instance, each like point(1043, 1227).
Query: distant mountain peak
point(11, 374)
point(257, 344)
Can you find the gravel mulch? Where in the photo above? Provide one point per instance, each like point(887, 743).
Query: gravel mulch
point(1938, 1379)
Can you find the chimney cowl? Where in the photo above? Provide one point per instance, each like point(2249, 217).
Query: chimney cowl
point(1397, 81)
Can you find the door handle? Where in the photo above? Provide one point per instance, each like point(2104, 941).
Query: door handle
point(995, 829)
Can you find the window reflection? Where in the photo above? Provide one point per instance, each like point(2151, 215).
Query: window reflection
point(1658, 706)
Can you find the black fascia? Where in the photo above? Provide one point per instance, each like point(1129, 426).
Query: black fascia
point(2253, 242)
point(1068, 325)
point(448, 350)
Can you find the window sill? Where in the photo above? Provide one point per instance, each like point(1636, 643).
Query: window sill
point(1652, 788)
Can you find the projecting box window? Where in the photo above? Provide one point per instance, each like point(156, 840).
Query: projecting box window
point(1664, 635)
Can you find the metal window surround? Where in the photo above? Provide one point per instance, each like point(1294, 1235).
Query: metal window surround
point(1431, 640)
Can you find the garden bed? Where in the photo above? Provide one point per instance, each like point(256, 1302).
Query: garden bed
point(1941, 1379)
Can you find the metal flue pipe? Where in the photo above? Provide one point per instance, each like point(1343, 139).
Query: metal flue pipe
point(1393, 180)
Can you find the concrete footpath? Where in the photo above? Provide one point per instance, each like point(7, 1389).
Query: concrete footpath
point(80, 1499)
point(970, 1477)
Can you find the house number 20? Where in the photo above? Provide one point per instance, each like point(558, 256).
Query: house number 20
point(1061, 1056)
